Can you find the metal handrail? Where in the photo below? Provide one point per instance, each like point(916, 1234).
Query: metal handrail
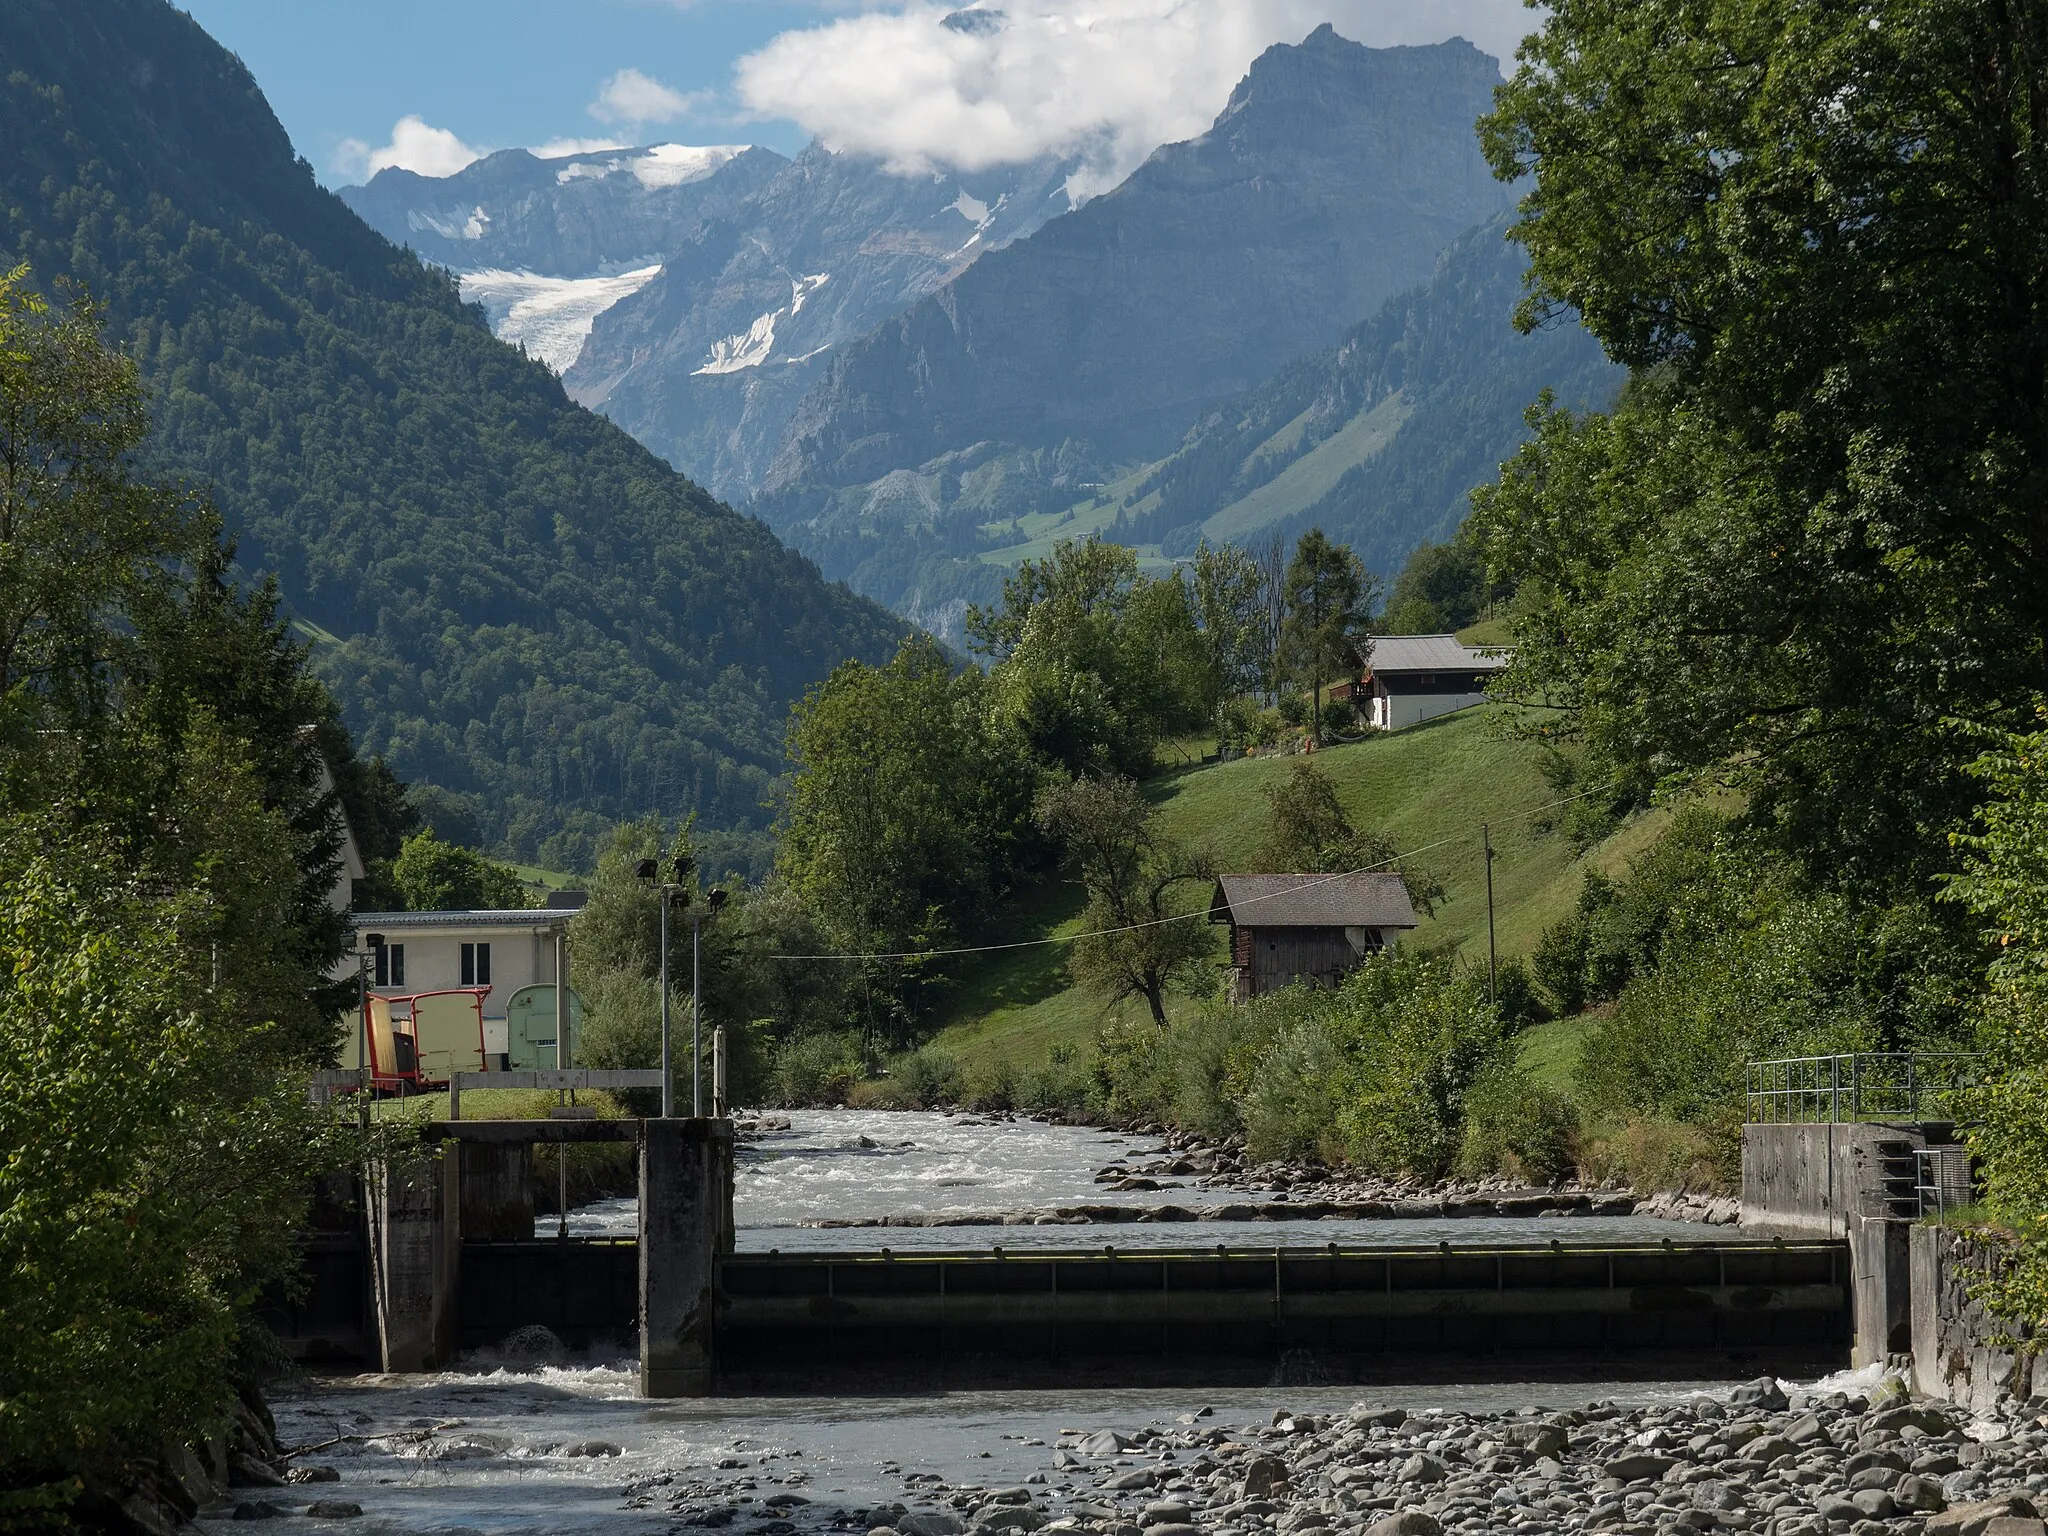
point(1864, 1085)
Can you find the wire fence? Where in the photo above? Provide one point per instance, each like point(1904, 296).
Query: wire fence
point(1869, 1085)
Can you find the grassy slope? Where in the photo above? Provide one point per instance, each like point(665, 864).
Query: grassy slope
point(1430, 788)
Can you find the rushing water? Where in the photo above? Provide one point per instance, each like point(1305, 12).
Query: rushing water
point(491, 1448)
point(851, 1165)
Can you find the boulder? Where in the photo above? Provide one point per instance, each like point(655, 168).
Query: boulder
point(1541, 1439)
point(1008, 1517)
point(1105, 1442)
point(1261, 1473)
point(1920, 1495)
point(1877, 1503)
point(1164, 1512)
point(938, 1522)
point(1638, 1465)
point(1973, 1519)
point(1138, 1477)
point(1409, 1522)
point(333, 1509)
point(1421, 1468)
point(1764, 1393)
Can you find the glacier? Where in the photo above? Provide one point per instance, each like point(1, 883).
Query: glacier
point(550, 316)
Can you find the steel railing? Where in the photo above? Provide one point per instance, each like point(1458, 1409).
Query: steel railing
point(1869, 1085)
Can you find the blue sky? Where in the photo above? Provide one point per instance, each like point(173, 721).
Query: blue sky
point(493, 72)
point(428, 84)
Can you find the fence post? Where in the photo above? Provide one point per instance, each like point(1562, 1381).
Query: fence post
point(1856, 1086)
point(1912, 1090)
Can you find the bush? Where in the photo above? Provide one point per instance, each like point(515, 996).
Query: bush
point(1519, 1128)
point(1648, 1153)
point(1338, 718)
point(930, 1078)
point(1294, 708)
point(881, 1093)
point(1294, 1103)
point(991, 1086)
point(1516, 996)
point(817, 1071)
point(1559, 964)
point(1057, 1089)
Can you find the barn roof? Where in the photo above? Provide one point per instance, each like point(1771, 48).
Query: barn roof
point(1376, 900)
point(1431, 653)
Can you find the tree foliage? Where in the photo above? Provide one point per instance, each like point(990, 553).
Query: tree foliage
point(167, 849)
point(1144, 935)
point(1326, 634)
point(434, 876)
point(1309, 832)
point(1813, 530)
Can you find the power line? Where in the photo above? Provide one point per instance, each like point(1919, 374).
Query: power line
point(1182, 917)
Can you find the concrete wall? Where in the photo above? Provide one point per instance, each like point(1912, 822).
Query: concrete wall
point(1953, 1356)
point(413, 1215)
point(1830, 1181)
point(685, 1226)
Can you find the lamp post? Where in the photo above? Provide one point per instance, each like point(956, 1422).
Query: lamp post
point(673, 893)
point(372, 942)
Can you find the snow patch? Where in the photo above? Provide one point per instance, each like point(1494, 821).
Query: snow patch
point(972, 209)
point(675, 165)
point(586, 170)
point(748, 350)
point(551, 316)
point(472, 226)
point(756, 344)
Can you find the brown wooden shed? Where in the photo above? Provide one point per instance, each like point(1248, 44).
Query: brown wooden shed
point(1312, 928)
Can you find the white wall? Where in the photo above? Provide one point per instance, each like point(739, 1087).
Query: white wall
point(1390, 712)
point(520, 957)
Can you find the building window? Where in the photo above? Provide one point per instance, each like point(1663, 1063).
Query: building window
point(476, 965)
point(380, 966)
point(397, 965)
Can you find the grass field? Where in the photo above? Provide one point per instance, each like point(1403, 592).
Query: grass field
point(1430, 788)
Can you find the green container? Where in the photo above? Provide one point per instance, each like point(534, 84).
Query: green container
point(530, 1029)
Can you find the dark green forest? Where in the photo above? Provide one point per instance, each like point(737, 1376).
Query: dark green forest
point(510, 598)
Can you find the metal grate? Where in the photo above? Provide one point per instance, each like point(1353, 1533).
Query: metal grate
point(1870, 1085)
point(1943, 1179)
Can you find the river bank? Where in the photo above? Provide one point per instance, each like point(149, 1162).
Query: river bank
point(566, 1447)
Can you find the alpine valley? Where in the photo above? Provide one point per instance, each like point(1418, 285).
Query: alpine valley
point(1301, 317)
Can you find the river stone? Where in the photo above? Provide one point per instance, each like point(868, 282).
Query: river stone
point(1888, 1422)
point(1638, 1465)
point(256, 1509)
point(1875, 1502)
point(1105, 1442)
point(1540, 1439)
point(1386, 1418)
point(938, 1522)
point(1009, 1517)
point(1409, 1522)
point(1935, 1463)
point(1764, 1393)
point(882, 1530)
point(1715, 1496)
point(1863, 1461)
point(2015, 1525)
point(1919, 1494)
point(1833, 1506)
point(1421, 1468)
point(1972, 1519)
point(1164, 1512)
point(594, 1448)
point(342, 1509)
point(996, 1496)
point(1768, 1448)
point(1175, 1529)
point(1138, 1477)
point(1261, 1473)
point(1807, 1431)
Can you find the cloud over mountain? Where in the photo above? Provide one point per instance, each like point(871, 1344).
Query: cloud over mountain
point(1001, 81)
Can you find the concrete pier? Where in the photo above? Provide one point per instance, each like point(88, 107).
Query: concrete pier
point(413, 1217)
point(685, 1229)
point(497, 1191)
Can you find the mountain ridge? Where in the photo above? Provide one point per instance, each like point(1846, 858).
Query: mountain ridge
point(529, 609)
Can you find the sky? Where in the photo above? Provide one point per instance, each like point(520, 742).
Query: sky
point(431, 84)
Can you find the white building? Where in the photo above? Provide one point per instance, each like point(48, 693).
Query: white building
point(414, 952)
point(1412, 678)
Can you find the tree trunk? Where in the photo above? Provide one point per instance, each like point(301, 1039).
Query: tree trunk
point(1155, 999)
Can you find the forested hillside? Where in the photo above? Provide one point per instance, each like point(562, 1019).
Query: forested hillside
point(511, 598)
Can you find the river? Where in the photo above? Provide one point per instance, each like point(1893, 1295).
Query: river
point(493, 1447)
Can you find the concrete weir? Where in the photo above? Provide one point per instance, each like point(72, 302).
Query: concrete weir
point(444, 1258)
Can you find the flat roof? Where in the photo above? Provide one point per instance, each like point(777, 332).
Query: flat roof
point(519, 917)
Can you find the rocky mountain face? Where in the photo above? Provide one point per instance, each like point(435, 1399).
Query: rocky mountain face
point(576, 216)
point(695, 294)
point(1330, 183)
point(707, 361)
point(1378, 440)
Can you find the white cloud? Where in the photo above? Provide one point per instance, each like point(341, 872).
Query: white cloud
point(923, 85)
point(415, 145)
point(631, 97)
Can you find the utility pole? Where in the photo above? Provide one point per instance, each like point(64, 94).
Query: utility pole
point(668, 1084)
point(696, 1015)
point(1492, 981)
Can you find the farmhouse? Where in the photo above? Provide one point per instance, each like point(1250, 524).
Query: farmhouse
point(1412, 678)
point(1313, 928)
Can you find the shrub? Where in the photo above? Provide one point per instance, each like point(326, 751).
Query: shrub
point(1338, 717)
point(1517, 1127)
point(929, 1078)
point(1294, 708)
point(817, 1071)
point(1516, 997)
point(990, 1085)
point(1293, 1104)
point(881, 1093)
point(1649, 1153)
point(1559, 964)
point(1057, 1088)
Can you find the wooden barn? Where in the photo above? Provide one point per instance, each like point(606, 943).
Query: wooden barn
point(1313, 928)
